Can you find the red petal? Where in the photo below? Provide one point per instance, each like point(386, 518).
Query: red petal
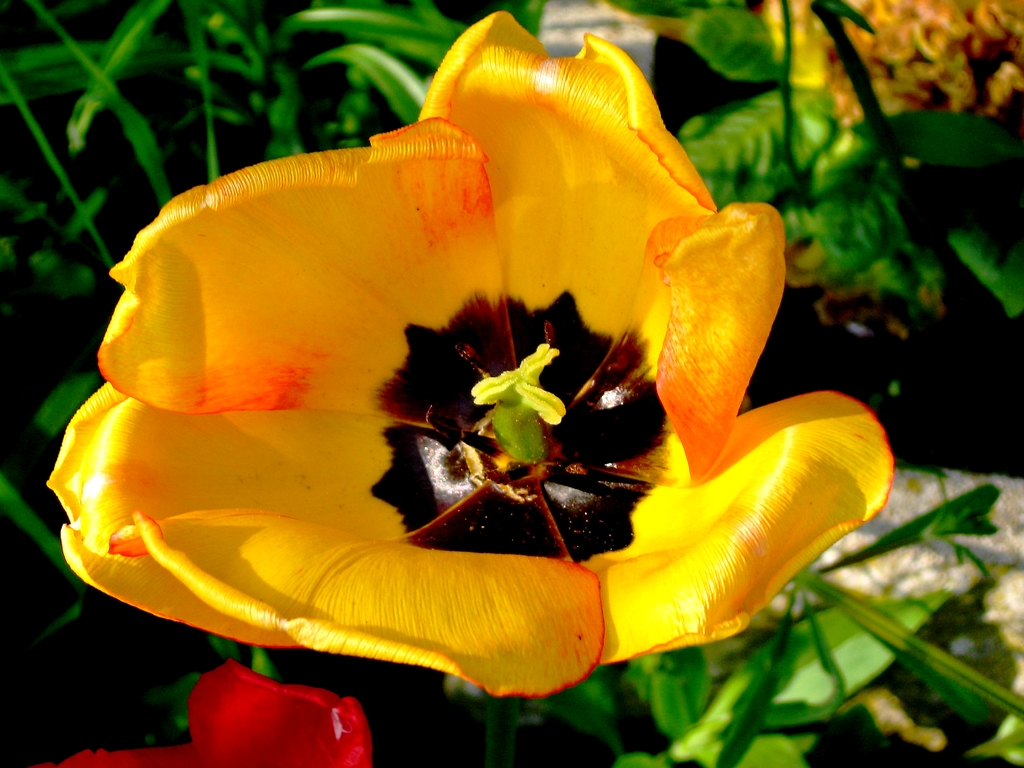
point(183, 756)
point(240, 718)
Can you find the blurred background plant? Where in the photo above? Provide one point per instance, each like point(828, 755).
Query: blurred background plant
point(889, 135)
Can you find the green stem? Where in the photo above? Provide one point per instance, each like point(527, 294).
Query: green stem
point(192, 10)
point(51, 160)
point(861, 80)
point(786, 93)
point(895, 635)
point(136, 129)
point(502, 722)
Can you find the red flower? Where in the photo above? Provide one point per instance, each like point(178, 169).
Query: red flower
point(240, 718)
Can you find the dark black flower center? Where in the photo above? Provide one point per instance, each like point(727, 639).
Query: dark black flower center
point(454, 486)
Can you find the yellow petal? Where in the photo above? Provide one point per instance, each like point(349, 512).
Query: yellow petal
point(289, 284)
point(727, 280)
point(142, 582)
point(581, 167)
point(514, 625)
point(122, 456)
point(794, 477)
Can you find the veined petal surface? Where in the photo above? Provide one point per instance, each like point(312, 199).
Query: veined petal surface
point(581, 166)
point(794, 477)
point(514, 625)
point(122, 455)
point(289, 284)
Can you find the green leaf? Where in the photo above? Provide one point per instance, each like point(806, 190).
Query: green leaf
point(192, 11)
point(752, 706)
point(734, 42)
point(66, 398)
point(590, 707)
point(1002, 273)
point(809, 693)
point(1008, 743)
point(641, 760)
point(841, 9)
point(403, 88)
point(52, 161)
point(283, 114)
point(403, 33)
point(954, 138)
point(675, 684)
point(262, 664)
point(91, 207)
point(965, 702)
point(128, 37)
point(73, 613)
point(737, 148)
point(173, 701)
point(917, 654)
point(134, 125)
point(965, 514)
point(13, 506)
point(773, 752)
point(225, 648)
point(13, 199)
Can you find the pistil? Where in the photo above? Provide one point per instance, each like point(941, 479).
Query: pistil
point(523, 410)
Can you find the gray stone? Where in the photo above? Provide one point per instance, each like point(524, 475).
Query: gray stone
point(923, 568)
point(566, 21)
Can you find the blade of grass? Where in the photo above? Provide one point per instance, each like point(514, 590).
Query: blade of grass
point(55, 165)
point(752, 708)
point(123, 45)
point(135, 127)
point(966, 514)
point(403, 89)
point(14, 507)
point(192, 11)
point(917, 651)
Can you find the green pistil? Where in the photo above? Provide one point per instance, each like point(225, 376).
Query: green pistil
point(522, 408)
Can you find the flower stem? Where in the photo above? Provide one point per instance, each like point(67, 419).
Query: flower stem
point(502, 722)
point(786, 93)
point(861, 80)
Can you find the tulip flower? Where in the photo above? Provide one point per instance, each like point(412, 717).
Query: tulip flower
point(466, 398)
point(241, 719)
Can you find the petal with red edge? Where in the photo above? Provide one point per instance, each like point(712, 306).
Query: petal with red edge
point(290, 284)
point(581, 166)
point(794, 477)
point(727, 280)
point(140, 581)
point(514, 625)
point(182, 756)
point(121, 455)
point(240, 718)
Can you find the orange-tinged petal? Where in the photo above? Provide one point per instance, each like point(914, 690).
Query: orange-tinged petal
point(514, 625)
point(581, 166)
point(727, 280)
point(794, 477)
point(121, 455)
point(142, 582)
point(289, 284)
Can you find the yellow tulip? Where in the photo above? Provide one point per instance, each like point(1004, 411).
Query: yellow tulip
point(288, 451)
